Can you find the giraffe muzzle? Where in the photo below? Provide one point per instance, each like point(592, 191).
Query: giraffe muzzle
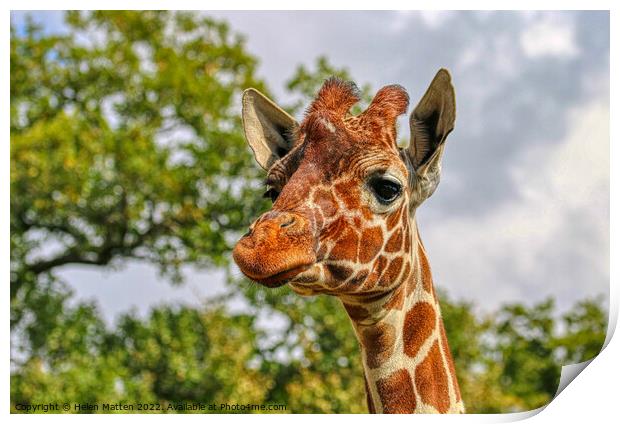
point(279, 246)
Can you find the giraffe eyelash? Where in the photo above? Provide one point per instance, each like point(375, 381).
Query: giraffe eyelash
point(270, 183)
point(271, 193)
point(273, 180)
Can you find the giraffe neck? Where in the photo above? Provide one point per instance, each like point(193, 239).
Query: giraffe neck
point(407, 362)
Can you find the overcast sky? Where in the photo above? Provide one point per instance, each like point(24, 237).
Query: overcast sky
point(522, 211)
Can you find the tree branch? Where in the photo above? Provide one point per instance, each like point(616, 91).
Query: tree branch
point(70, 257)
point(93, 255)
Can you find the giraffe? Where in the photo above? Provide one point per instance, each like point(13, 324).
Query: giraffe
point(343, 224)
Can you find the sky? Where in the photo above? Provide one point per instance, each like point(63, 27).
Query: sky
point(522, 211)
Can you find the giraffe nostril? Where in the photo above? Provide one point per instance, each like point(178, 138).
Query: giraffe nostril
point(290, 221)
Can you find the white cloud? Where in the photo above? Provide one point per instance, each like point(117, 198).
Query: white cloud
point(435, 18)
point(550, 240)
point(549, 36)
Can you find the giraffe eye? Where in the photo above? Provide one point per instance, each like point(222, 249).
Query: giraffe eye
point(386, 189)
point(272, 194)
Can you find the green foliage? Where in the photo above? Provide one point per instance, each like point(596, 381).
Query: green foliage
point(511, 360)
point(524, 340)
point(175, 355)
point(184, 354)
point(586, 328)
point(126, 144)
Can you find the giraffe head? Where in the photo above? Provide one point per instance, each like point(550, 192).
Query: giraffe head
point(343, 191)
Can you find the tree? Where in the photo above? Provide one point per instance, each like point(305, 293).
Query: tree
point(176, 355)
point(520, 351)
point(126, 144)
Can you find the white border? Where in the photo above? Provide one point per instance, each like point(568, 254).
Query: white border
point(593, 395)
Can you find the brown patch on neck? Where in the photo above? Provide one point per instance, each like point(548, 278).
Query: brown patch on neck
point(392, 272)
point(339, 272)
point(425, 270)
point(378, 342)
point(432, 382)
point(419, 325)
point(396, 393)
point(448, 355)
point(356, 312)
point(397, 298)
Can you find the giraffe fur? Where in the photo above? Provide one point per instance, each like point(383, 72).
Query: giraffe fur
point(343, 224)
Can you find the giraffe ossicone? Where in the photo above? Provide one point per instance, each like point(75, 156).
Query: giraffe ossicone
point(343, 223)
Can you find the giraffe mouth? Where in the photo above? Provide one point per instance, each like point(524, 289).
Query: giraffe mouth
point(281, 278)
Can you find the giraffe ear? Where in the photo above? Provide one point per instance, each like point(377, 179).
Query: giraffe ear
point(432, 120)
point(268, 129)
